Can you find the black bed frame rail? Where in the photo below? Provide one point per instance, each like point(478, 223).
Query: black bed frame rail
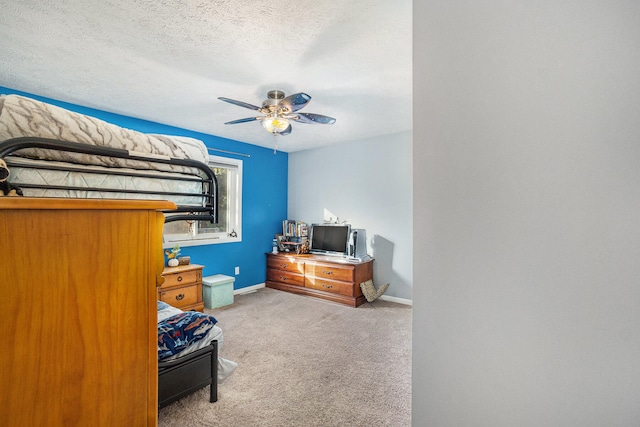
point(182, 376)
point(207, 212)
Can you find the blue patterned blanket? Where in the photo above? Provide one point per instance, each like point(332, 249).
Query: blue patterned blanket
point(181, 330)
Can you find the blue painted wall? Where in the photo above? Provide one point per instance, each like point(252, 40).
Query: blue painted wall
point(264, 201)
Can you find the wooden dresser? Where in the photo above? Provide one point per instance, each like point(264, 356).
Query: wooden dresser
point(182, 287)
point(330, 278)
point(78, 281)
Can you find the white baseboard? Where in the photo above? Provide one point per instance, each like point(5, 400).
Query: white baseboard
point(248, 289)
point(254, 288)
point(396, 299)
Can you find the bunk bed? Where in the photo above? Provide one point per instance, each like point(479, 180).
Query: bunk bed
point(53, 152)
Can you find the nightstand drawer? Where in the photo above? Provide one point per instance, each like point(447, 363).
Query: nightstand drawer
point(182, 278)
point(181, 297)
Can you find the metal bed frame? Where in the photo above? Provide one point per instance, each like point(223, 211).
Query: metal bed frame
point(208, 211)
point(181, 377)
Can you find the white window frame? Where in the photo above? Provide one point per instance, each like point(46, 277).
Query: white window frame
point(234, 212)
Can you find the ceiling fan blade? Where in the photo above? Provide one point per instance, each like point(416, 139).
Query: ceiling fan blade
point(314, 118)
point(239, 103)
point(296, 101)
point(248, 119)
point(287, 131)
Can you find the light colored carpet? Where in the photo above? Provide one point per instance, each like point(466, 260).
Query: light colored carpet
point(307, 362)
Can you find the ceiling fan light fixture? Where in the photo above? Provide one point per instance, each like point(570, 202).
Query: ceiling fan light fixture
point(275, 124)
point(280, 111)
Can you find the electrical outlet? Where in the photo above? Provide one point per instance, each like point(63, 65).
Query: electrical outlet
point(237, 270)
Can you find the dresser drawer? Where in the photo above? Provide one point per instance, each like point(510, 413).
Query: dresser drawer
point(180, 297)
point(285, 264)
point(329, 285)
point(326, 271)
point(285, 277)
point(182, 278)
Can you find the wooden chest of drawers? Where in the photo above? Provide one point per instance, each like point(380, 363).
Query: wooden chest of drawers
point(324, 277)
point(78, 286)
point(182, 287)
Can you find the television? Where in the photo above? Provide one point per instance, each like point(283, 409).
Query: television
point(329, 239)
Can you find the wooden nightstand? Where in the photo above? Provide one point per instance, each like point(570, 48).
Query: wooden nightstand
point(182, 287)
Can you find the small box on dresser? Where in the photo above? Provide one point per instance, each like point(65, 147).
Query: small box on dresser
point(182, 287)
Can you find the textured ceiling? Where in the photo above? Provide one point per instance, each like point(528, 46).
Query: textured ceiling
point(169, 61)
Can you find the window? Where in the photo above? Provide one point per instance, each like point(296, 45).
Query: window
point(228, 229)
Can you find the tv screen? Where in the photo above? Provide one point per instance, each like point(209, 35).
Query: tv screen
point(330, 239)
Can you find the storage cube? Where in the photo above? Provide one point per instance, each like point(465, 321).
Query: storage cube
point(217, 290)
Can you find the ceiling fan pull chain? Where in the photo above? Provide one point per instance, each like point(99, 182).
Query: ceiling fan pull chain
point(275, 141)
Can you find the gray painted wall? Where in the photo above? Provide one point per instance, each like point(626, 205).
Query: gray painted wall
point(527, 165)
point(368, 184)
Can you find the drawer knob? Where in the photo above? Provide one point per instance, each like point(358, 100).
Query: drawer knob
point(179, 278)
point(283, 265)
point(180, 297)
point(283, 278)
point(327, 272)
point(324, 285)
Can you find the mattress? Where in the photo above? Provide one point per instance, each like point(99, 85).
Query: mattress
point(25, 117)
point(112, 183)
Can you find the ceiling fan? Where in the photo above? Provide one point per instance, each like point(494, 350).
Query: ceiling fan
point(279, 111)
